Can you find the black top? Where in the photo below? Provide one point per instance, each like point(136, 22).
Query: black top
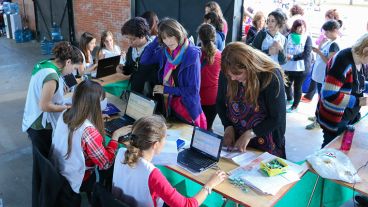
point(274, 102)
point(140, 74)
point(250, 35)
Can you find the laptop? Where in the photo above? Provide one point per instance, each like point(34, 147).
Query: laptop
point(204, 151)
point(137, 107)
point(107, 66)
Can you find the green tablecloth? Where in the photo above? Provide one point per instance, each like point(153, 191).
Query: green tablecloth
point(334, 194)
point(117, 87)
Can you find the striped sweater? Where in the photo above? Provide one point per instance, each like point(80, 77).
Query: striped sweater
point(340, 91)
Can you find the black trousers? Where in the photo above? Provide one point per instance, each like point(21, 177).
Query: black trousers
point(41, 139)
point(210, 112)
point(296, 79)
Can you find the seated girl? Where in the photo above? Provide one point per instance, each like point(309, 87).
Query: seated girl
point(108, 48)
point(135, 175)
point(77, 143)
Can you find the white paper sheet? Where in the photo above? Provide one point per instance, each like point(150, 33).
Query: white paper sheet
point(168, 155)
point(253, 177)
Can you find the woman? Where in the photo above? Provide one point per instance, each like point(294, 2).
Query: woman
point(136, 176)
point(136, 31)
point(45, 95)
point(77, 144)
point(213, 19)
point(327, 49)
point(213, 6)
point(251, 100)
point(87, 44)
point(108, 48)
point(258, 23)
point(342, 91)
point(179, 73)
point(211, 66)
point(152, 20)
point(271, 41)
point(298, 52)
point(331, 14)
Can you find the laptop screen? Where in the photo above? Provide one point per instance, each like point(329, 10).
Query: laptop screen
point(139, 106)
point(207, 142)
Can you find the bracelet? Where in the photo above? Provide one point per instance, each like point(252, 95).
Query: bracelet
point(208, 189)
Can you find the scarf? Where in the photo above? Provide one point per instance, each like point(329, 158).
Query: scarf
point(173, 60)
point(296, 38)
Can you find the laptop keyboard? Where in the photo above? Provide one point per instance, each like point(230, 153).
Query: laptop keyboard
point(113, 125)
point(197, 160)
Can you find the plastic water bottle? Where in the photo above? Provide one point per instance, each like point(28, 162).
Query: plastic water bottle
point(56, 33)
point(347, 139)
point(44, 46)
point(6, 7)
point(14, 8)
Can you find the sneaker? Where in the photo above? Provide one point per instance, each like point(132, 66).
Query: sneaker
point(289, 102)
point(312, 118)
point(291, 110)
point(305, 100)
point(312, 126)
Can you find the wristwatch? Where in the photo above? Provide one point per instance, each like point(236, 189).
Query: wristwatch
point(208, 189)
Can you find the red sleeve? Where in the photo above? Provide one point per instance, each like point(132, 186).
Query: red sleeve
point(161, 188)
point(92, 143)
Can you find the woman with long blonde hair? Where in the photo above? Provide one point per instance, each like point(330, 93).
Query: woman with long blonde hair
point(251, 100)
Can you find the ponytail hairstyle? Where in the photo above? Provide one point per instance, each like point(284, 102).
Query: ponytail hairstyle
point(64, 51)
point(207, 35)
point(146, 132)
point(85, 105)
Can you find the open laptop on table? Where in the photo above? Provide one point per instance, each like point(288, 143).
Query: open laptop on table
point(137, 107)
point(204, 151)
point(107, 66)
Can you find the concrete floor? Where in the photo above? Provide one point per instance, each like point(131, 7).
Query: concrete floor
point(16, 63)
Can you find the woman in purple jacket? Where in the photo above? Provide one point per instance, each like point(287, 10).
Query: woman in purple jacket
point(179, 74)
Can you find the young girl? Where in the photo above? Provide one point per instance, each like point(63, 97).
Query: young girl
point(179, 73)
point(136, 176)
point(298, 52)
point(45, 95)
point(108, 48)
point(87, 44)
point(271, 41)
point(213, 6)
point(213, 19)
point(327, 48)
point(77, 144)
point(211, 66)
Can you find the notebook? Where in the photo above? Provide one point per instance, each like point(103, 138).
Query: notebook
point(204, 151)
point(137, 107)
point(107, 66)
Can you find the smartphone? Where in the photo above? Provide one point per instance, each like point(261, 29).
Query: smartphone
point(180, 143)
point(124, 138)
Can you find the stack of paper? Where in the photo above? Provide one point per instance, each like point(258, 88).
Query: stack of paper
point(253, 177)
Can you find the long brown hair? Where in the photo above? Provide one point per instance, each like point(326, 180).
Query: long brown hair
point(85, 105)
point(259, 69)
point(83, 43)
point(146, 132)
point(171, 28)
point(215, 7)
point(207, 35)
